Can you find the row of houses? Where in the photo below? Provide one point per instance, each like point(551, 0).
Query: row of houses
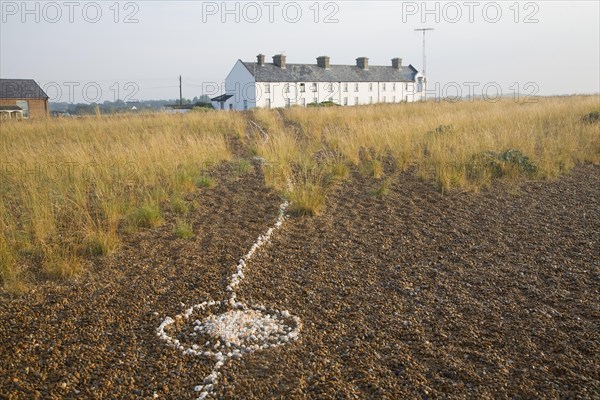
point(279, 84)
point(268, 85)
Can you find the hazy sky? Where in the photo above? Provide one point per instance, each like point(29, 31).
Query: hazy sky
point(81, 50)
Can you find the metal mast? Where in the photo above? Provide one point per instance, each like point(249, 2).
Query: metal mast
point(424, 59)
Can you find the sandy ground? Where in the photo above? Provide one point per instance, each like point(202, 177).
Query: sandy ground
point(493, 294)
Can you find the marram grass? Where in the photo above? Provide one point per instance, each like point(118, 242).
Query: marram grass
point(68, 186)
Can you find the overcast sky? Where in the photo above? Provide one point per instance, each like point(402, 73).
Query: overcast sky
point(138, 49)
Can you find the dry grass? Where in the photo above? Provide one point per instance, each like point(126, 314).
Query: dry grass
point(68, 185)
point(442, 139)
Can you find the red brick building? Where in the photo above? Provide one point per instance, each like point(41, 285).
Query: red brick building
point(22, 98)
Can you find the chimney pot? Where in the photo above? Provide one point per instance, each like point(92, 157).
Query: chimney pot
point(397, 63)
point(362, 63)
point(260, 59)
point(279, 60)
point(323, 62)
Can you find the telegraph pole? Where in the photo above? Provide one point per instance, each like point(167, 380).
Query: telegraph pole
point(180, 92)
point(424, 61)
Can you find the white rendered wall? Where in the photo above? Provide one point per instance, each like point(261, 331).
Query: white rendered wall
point(240, 83)
point(358, 93)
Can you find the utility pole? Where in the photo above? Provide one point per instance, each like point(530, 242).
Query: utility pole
point(424, 61)
point(180, 92)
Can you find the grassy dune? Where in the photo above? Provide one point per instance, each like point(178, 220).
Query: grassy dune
point(70, 187)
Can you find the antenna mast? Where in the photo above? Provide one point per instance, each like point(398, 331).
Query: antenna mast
point(424, 60)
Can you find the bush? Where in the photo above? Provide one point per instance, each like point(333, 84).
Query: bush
point(509, 163)
point(442, 129)
point(591, 118)
point(323, 104)
point(516, 160)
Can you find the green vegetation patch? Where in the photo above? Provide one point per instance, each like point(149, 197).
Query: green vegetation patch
point(591, 118)
point(507, 164)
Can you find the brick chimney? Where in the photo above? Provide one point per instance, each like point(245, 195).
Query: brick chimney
point(323, 62)
point(397, 63)
point(362, 62)
point(260, 59)
point(279, 60)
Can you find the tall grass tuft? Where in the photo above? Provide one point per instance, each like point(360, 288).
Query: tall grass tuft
point(307, 192)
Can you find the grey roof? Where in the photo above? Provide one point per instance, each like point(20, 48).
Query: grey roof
point(336, 73)
point(21, 89)
point(223, 97)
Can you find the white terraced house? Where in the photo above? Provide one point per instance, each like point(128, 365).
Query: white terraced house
point(278, 84)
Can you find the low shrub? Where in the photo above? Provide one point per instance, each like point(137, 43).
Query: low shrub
point(323, 104)
point(591, 118)
point(442, 129)
point(510, 163)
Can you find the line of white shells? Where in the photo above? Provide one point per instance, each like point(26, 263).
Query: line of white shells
point(238, 331)
point(238, 276)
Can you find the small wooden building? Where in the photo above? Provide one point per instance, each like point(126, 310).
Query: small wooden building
point(25, 94)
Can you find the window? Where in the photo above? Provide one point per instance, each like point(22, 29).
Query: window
point(406, 86)
point(330, 87)
point(24, 104)
point(383, 86)
point(370, 87)
point(245, 104)
point(356, 87)
point(267, 88)
point(313, 87)
point(356, 101)
point(287, 87)
point(345, 101)
point(345, 87)
point(302, 88)
point(230, 106)
point(394, 86)
point(330, 100)
point(315, 100)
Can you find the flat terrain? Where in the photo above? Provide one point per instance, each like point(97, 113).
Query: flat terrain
point(415, 294)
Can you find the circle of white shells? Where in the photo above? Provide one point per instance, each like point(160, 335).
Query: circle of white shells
point(239, 330)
